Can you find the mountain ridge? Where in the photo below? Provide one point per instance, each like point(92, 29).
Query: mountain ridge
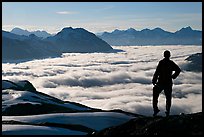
point(18, 47)
point(19, 31)
point(156, 36)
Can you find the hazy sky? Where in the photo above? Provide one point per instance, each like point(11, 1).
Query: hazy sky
point(101, 16)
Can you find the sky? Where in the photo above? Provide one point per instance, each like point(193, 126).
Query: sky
point(101, 16)
point(108, 81)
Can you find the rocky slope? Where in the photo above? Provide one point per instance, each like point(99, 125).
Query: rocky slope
point(194, 63)
point(184, 124)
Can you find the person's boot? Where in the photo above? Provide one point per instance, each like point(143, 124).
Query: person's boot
point(156, 111)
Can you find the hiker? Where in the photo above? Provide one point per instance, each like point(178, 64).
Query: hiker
point(162, 80)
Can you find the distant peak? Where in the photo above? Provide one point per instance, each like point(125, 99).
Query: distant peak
point(67, 28)
point(146, 29)
point(157, 28)
point(73, 29)
point(116, 31)
point(18, 29)
point(131, 30)
point(187, 28)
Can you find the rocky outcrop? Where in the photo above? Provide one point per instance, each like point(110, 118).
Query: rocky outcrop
point(194, 63)
point(21, 98)
point(184, 124)
point(23, 85)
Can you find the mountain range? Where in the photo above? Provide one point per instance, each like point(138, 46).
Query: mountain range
point(21, 47)
point(41, 34)
point(21, 44)
point(157, 36)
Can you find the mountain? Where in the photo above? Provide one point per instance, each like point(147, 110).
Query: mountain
point(157, 36)
point(38, 33)
point(13, 36)
point(78, 40)
point(20, 31)
point(28, 111)
point(16, 47)
point(21, 47)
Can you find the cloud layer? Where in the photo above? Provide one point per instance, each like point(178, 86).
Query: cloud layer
point(113, 80)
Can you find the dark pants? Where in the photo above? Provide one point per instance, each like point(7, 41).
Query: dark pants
point(157, 89)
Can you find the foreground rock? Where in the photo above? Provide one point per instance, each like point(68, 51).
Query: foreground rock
point(190, 124)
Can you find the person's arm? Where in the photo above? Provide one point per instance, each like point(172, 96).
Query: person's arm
point(156, 74)
point(177, 70)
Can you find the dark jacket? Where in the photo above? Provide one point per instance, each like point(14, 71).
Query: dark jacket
point(164, 72)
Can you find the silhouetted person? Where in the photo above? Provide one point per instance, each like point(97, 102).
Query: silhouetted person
point(162, 80)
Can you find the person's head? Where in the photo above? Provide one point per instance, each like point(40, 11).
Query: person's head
point(167, 54)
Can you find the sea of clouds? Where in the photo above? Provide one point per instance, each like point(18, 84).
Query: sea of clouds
point(117, 80)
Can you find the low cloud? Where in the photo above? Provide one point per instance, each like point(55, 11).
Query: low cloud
point(112, 80)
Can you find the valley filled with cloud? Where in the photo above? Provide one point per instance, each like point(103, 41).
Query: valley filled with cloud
point(115, 80)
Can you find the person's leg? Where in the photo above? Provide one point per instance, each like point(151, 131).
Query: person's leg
point(156, 91)
point(168, 94)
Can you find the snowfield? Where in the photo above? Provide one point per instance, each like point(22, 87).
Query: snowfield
point(37, 130)
point(29, 112)
point(117, 80)
point(94, 120)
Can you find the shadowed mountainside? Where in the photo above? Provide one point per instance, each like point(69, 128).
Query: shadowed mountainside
point(79, 40)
